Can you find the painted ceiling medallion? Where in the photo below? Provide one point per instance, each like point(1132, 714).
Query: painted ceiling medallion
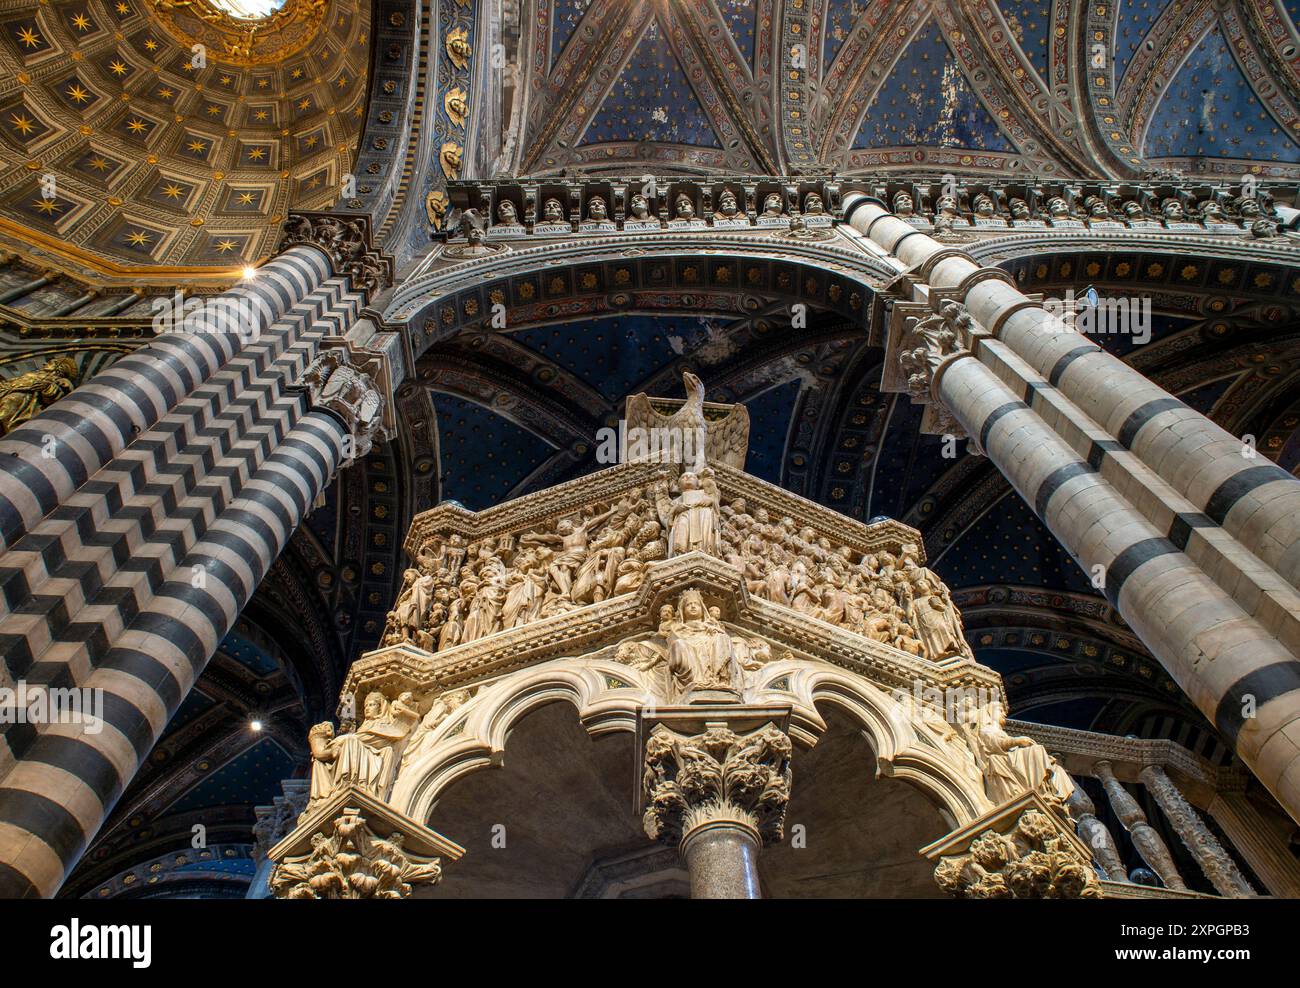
point(243, 32)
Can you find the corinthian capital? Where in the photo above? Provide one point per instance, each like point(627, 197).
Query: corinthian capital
point(350, 861)
point(1021, 850)
point(716, 776)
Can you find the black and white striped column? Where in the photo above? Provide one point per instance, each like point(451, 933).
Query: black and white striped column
point(45, 460)
point(1252, 499)
point(54, 798)
point(1234, 669)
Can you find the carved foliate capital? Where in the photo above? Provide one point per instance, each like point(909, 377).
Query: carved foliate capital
point(349, 861)
point(716, 775)
point(346, 239)
point(1021, 850)
point(334, 382)
point(354, 846)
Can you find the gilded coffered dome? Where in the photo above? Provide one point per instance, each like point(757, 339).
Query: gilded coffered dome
point(173, 135)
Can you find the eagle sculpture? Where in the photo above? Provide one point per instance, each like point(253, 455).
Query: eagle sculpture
point(725, 427)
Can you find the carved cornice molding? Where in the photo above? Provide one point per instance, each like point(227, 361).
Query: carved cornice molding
point(1128, 757)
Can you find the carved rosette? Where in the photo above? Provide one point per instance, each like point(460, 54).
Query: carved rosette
point(1033, 860)
point(716, 776)
point(351, 862)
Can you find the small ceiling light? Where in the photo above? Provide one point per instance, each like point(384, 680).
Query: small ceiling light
point(250, 273)
point(254, 725)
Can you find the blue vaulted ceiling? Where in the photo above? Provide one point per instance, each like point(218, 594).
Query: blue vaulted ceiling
point(927, 100)
point(564, 21)
point(483, 455)
point(1136, 18)
point(1013, 546)
point(613, 355)
point(652, 100)
point(840, 17)
point(1210, 111)
point(1030, 24)
point(740, 16)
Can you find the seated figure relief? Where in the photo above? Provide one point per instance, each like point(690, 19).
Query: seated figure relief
point(366, 756)
point(693, 650)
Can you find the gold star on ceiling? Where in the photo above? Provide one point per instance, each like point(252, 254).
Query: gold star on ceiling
point(21, 123)
point(81, 22)
point(172, 191)
point(165, 93)
point(150, 44)
point(198, 147)
point(98, 163)
point(118, 67)
point(137, 126)
point(138, 238)
point(312, 141)
point(246, 198)
point(226, 245)
point(213, 110)
point(77, 94)
point(256, 154)
point(304, 103)
point(123, 9)
point(296, 74)
point(29, 37)
point(260, 114)
point(47, 206)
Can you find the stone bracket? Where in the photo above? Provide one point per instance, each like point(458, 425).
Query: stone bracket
point(1023, 849)
point(382, 819)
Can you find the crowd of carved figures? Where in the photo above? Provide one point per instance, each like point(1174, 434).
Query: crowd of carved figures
point(888, 598)
point(505, 210)
point(462, 592)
